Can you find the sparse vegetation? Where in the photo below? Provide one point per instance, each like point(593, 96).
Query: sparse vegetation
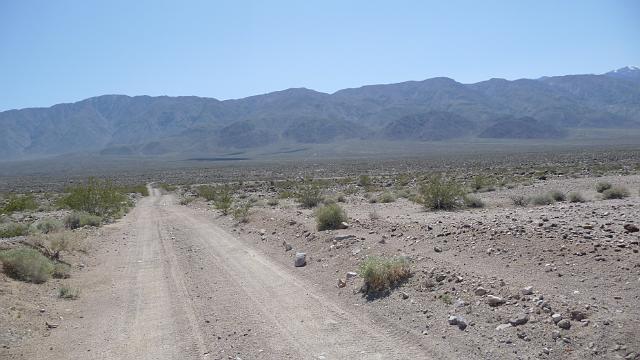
point(135, 189)
point(364, 181)
point(615, 192)
point(330, 217)
point(273, 202)
point(380, 274)
point(223, 201)
point(78, 219)
point(241, 212)
point(19, 203)
point(440, 194)
point(48, 225)
point(557, 195)
point(26, 264)
point(519, 200)
point(541, 199)
point(186, 200)
point(309, 196)
point(602, 186)
point(473, 202)
point(387, 197)
point(13, 229)
point(69, 293)
point(97, 197)
point(576, 197)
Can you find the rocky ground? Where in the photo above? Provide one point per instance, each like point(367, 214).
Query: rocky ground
point(552, 281)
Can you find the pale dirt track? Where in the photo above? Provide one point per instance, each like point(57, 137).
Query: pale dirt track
point(176, 286)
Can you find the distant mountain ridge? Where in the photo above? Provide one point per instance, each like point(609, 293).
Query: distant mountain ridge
point(436, 109)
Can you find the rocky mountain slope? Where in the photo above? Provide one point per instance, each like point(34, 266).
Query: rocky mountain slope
point(435, 109)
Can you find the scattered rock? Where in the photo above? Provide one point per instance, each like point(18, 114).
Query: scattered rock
point(480, 291)
point(564, 324)
point(495, 300)
point(556, 318)
point(503, 326)
point(630, 228)
point(301, 259)
point(437, 249)
point(578, 315)
point(520, 319)
point(341, 283)
point(527, 290)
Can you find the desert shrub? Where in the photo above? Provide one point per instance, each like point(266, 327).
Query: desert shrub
point(61, 271)
point(557, 195)
point(286, 194)
point(241, 212)
point(69, 293)
point(330, 217)
point(482, 183)
point(615, 192)
point(135, 189)
point(13, 229)
point(273, 202)
point(380, 273)
point(186, 200)
point(207, 192)
point(341, 198)
point(575, 197)
point(309, 196)
point(440, 194)
point(387, 197)
point(374, 215)
point(167, 187)
point(519, 200)
point(542, 199)
point(473, 202)
point(78, 219)
point(364, 180)
point(48, 225)
point(223, 201)
point(602, 186)
point(19, 203)
point(26, 264)
point(97, 197)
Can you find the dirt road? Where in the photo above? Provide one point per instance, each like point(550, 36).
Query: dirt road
point(172, 285)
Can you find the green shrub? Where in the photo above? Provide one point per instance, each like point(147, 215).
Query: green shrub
point(364, 181)
point(26, 264)
point(576, 197)
point(13, 229)
point(341, 198)
point(519, 200)
point(68, 293)
point(223, 201)
point(380, 274)
point(602, 186)
point(207, 192)
point(387, 197)
point(241, 212)
point(48, 225)
point(97, 197)
point(473, 202)
point(61, 271)
point(273, 202)
point(330, 217)
point(543, 199)
point(186, 200)
point(19, 203)
point(440, 194)
point(78, 219)
point(135, 189)
point(309, 197)
point(481, 183)
point(615, 192)
point(557, 195)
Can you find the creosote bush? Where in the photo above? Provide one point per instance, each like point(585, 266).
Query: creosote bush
point(223, 201)
point(542, 199)
point(27, 265)
point(78, 219)
point(440, 194)
point(602, 186)
point(575, 197)
point(380, 274)
point(69, 293)
point(97, 197)
point(330, 217)
point(13, 229)
point(19, 203)
point(615, 192)
point(473, 202)
point(48, 225)
point(241, 212)
point(387, 197)
point(309, 196)
point(557, 195)
point(519, 200)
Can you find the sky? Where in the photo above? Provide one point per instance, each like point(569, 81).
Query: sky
point(69, 50)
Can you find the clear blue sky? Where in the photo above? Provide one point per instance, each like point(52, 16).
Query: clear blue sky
point(64, 51)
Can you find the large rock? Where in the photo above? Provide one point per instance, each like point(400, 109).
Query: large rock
point(495, 300)
point(301, 259)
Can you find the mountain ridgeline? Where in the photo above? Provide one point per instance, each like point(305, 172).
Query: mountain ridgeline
point(437, 109)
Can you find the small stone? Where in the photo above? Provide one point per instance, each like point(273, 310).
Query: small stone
point(520, 319)
point(287, 246)
point(462, 323)
point(578, 315)
point(556, 318)
point(564, 324)
point(495, 300)
point(480, 291)
point(630, 228)
point(51, 325)
point(527, 290)
point(437, 249)
point(301, 259)
point(453, 320)
point(351, 274)
point(503, 326)
point(344, 225)
point(341, 283)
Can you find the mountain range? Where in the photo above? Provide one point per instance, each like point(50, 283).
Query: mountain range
point(437, 109)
